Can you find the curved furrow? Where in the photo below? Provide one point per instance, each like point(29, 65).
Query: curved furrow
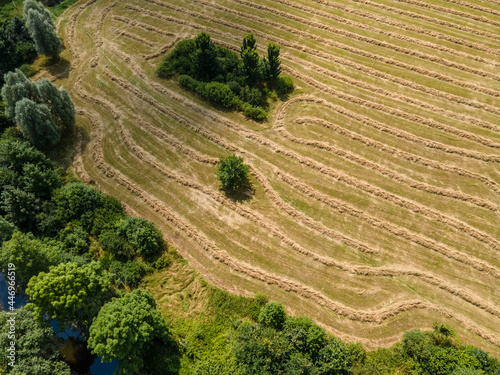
point(408, 26)
point(327, 57)
point(455, 12)
point(430, 19)
point(72, 25)
point(373, 41)
point(405, 38)
point(325, 41)
point(245, 212)
point(396, 230)
point(475, 6)
point(394, 131)
point(402, 98)
point(132, 36)
point(374, 316)
point(386, 93)
point(418, 208)
point(390, 173)
point(397, 152)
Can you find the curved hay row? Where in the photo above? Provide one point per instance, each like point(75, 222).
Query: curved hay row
point(390, 34)
point(143, 155)
point(477, 7)
point(325, 41)
point(386, 93)
point(145, 26)
point(400, 201)
point(457, 12)
point(390, 94)
point(328, 57)
point(391, 228)
point(390, 173)
point(408, 26)
point(373, 41)
point(397, 152)
point(429, 19)
point(376, 316)
point(133, 37)
point(162, 50)
point(393, 131)
point(100, 20)
point(72, 25)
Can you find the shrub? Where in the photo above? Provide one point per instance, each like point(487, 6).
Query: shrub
point(272, 315)
point(255, 113)
point(188, 82)
point(130, 273)
point(142, 234)
point(235, 87)
point(232, 173)
point(116, 245)
point(219, 93)
point(285, 85)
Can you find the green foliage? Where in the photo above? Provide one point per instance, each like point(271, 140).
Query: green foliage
point(41, 29)
point(61, 7)
point(116, 245)
point(445, 361)
point(128, 328)
point(36, 123)
point(129, 273)
point(16, 46)
point(75, 239)
point(284, 85)
point(59, 103)
point(75, 199)
point(219, 93)
point(204, 58)
point(249, 41)
point(260, 350)
point(188, 82)
point(36, 351)
point(179, 60)
point(273, 315)
point(16, 88)
point(251, 66)
point(67, 292)
point(256, 113)
point(142, 234)
point(31, 256)
point(417, 345)
point(7, 229)
point(232, 173)
point(274, 63)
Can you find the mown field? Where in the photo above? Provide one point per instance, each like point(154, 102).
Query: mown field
point(376, 183)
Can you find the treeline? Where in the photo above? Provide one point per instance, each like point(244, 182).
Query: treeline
point(76, 250)
point(23, 38)
point(243, 82)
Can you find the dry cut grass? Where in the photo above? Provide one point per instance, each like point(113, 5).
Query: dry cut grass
point(377, 190)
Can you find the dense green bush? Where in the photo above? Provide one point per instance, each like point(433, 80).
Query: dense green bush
point(129, 273)
point(284, 85)
point(188, 82)
point(232, 173)
point(142, 234)
point(219, 93)
point(273, 315)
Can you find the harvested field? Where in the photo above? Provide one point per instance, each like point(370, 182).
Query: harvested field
point(376, 184)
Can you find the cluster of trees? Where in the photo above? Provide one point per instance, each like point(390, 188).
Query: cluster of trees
point(241, 82)
point(75, 249)
point(41, 110)
point(16, 46)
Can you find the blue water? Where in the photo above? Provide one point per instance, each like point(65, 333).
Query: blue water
point(97, 368)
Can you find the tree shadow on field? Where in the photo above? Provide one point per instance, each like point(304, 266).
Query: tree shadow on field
point(58, 67)
point(245, 193)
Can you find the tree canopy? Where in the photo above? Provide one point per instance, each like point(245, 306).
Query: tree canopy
point(232, 173)
point(41, 29)
point(128, 328)
point(68, 292)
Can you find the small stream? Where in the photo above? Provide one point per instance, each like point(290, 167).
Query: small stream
point(74, 349)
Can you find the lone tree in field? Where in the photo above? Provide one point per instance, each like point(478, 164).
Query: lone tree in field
point(232, 173)
point(41, 29)
point(273, 61)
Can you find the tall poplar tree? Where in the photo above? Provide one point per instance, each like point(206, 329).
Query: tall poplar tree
point(42, 29)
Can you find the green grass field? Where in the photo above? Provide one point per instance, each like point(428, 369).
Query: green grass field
point(376, 182)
